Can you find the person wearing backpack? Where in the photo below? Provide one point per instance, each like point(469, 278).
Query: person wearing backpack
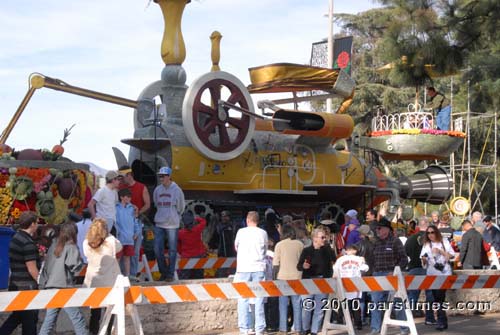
point(62, 263)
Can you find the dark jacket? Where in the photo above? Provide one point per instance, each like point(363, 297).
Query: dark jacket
point(471, 248)
point(388, 254)
point(413, 247)
point(365, 249)
point(223, 239)
point(321, 261)
point(492, 236)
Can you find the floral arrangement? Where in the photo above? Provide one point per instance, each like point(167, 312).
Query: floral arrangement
point(417, 132)
point(50, 192)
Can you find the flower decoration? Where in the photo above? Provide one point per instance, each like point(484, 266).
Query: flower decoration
point(20, 187)
point(16, 213)
point(435, 132)
point(42, 250)
point(61, 210)
point(5, 204)
point(45, 204)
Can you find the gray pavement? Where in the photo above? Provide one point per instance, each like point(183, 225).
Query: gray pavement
point(487, 324)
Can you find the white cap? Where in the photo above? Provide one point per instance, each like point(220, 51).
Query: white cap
point(352, 213)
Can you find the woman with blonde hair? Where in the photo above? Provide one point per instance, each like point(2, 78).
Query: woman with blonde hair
point(100, 248)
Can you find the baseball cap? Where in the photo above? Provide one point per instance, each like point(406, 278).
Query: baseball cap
point(352, 213)
point(110, 175)
point(365, 230)
point(165, 170)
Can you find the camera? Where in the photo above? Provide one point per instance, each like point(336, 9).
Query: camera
point(439, 266)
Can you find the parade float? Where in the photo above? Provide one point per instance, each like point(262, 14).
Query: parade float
point(43, 181)
point(222, 152)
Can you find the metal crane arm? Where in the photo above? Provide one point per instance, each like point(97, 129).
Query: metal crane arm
point(38, 81)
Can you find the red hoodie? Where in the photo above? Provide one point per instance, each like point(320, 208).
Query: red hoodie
point(190, 243)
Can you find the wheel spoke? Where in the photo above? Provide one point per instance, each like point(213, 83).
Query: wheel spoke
point(237, 123)
point(215, 95)
point(223, 136)
point(210, 126)
point(234, 97)
point(202, 108)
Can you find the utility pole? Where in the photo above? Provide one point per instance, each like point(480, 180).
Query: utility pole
point(330, 48)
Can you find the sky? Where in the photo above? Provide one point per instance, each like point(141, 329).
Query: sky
point(113, 46)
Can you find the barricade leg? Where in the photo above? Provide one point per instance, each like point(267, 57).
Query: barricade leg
point(403, 295)
point(117, 308)
point(147, 270)
point(493, 258)
point(338, 295)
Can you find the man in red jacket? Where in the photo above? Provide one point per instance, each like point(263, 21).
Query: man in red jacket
point(190, 244)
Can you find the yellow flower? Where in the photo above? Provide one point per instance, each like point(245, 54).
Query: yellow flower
point(61, 210)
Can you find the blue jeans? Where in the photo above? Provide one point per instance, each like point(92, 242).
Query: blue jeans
point(159, 245)
point(297, 313)
point(74, 314)
point(134, 260)
point(379, 297)
point(244, 305)
point(414, 294)
point(443, 118)
point(317, 313)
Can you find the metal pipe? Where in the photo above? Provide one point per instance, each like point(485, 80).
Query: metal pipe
point(17, 115)
point(329, 101)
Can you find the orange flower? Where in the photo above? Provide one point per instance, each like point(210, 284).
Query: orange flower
point(16, 212)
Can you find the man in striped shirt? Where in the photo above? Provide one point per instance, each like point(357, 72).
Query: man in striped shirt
point(23, 257)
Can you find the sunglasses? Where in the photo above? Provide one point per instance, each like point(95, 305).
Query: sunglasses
point(321, 237)
point(431, 232)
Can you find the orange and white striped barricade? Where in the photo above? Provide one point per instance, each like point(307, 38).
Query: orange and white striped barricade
point(339, 296)
point(215, 291)
point(148, 267)
point(118, 308)
point(452, 282)
point(60, 298)
point(403, 295)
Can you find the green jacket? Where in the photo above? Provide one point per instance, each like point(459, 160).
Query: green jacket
point(438, 102)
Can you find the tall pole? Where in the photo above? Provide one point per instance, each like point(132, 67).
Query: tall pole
point(330, 48)
point(495, 166)
point(469, 172)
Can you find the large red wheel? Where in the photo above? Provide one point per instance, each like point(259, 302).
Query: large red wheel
point(216, 130)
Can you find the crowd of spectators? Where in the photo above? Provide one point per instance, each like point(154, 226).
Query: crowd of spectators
point(108, 239)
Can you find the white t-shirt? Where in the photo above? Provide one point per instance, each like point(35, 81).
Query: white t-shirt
point(432, 259)
point(106, 200)
point(251, 247)
point(350, 266)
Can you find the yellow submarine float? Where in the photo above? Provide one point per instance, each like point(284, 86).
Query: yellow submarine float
point(224, 153)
